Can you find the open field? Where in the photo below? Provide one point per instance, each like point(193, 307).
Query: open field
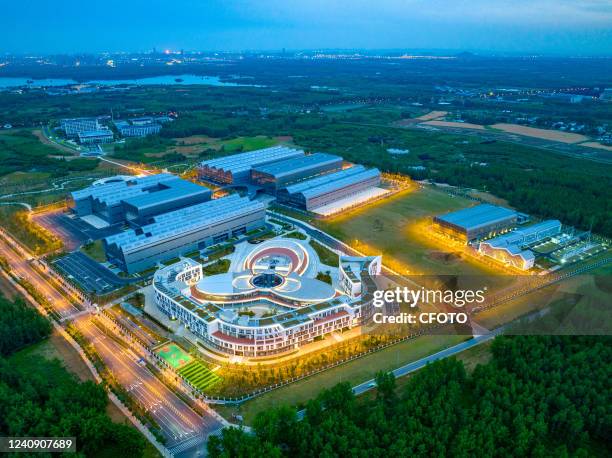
point(460, 125)
point(432, 115)
point(545, 134)
point(383, 228)
point(354, 372)
point(596, 145)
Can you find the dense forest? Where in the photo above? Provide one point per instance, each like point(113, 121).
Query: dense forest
point(39, 398)
point(538, 396)
point(20, 326)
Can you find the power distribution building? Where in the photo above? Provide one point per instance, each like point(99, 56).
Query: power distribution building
point(323, 190)
point(510, 248)
point(182, 231)
point(236, 169)
point(477, 222)
point(278, 175)
point(136, 200)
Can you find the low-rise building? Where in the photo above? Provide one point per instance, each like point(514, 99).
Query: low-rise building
point(92, 137)
point(511, 248)
point(72, 127)
point(473, 223)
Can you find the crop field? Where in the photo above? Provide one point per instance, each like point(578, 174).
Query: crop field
point(198, 375)
point(390, 228)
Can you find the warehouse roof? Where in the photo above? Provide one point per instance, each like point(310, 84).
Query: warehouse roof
point(189, 219)
point(478, 216)
point(141, 191)
point(332, 181)
point(244, 161)
point(297, 164)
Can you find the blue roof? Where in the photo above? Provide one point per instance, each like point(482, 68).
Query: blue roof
point(478, 216)
point(141, 191)
point(207, 215)
point(298, 164)
point(332, 181)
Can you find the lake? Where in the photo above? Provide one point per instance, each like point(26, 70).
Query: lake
point(9, 82)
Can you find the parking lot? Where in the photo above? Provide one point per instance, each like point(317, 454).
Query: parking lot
point(88, 274)
point(72, 231)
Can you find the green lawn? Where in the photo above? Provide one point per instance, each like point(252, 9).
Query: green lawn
point(248, 143)
point(354, 372)
point(95, 250)
point(219, 267)
point(326, 256)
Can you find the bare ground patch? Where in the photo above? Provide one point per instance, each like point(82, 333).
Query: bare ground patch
point(544, 134)
point(460, 125)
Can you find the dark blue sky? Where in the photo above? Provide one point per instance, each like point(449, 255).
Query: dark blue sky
point(539, 26)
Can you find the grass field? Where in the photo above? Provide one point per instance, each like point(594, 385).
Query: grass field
point(385, 228)
point(174, 355)
point(354, 372)
point(198, 375)
point(326, 256)
point(95, 250)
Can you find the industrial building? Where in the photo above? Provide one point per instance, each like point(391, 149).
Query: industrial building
point(277, 175)
point(138, 127)
point(136, 200)
point(182, 231)
point(473, 223)
point(236, 169)
point(511, 248)
point(72, 127)
point(92, 137)
point(320, 191)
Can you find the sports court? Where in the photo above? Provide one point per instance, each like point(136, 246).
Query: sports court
point(174, 355)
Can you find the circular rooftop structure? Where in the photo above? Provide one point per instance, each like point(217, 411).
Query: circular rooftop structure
point(283, 256)
point(274, 271)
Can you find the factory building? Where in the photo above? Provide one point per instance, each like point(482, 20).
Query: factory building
point(236, 169)
point(138, 127)
point(511, 248)
point(477, 222)
point(136, 200)
point(94, 137)
point(72, 127)
point(182, 231)
point(278, 175)
point(324, 190)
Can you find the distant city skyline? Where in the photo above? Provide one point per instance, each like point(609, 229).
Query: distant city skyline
point(559, 27)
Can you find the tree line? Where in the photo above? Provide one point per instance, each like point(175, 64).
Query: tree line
point(537, 396)
point(40, 398)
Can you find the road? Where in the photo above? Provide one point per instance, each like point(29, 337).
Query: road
point(20, 266)
point(186, 430)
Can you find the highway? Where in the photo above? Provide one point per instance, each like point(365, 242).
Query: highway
point(20, 266)
point(178, 422)
point(186, 431)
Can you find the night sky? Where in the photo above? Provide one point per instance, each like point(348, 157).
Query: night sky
point(573, 27)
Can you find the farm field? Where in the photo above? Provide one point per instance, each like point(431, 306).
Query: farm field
point(384, 228)
point(545, 134)
point(460, 125)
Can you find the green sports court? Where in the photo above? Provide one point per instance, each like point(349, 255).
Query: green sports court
point(174, 355)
